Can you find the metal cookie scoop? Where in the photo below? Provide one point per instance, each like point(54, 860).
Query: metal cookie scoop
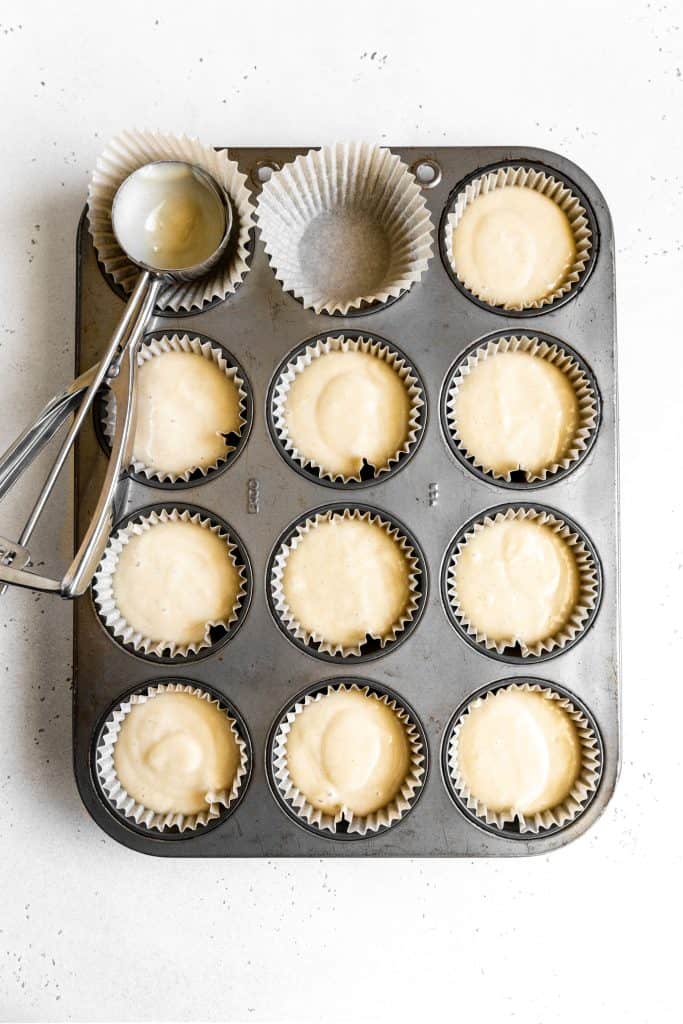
point(157, 238)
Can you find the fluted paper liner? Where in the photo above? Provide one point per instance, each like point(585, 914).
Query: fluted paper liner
point(548, 185)
point(360, 825)
point(133, 149)
point(588, 592)
point(587, 406)
point(103, 585)
point(151, 349)
point(363, 184)
point(340, 343)
point(583, 788)
point(218, 802)
point(280, 601)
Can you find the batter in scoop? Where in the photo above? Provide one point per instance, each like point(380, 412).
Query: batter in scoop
point(168, 217)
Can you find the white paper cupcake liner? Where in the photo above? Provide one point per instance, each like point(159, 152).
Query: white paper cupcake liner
point(284, 612)
point(552, 187)
point(316, 204)
point(581, 791)
point(218, 802)
point(103, 585)
point(587, 597)
point(558, 357)
point(151, 348)
point(133, 149)
point(341, 343)
point(360, 825)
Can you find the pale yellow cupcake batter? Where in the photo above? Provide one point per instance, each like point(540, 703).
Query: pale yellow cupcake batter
point(348, 751)
point(345, 580)
point(515, 411)
point(518, 752)
point(185, 404)
point(173, 750)
point(516, 581)
point(513, 246)
point(347, 407)
point(173, 580)
point(168, 216)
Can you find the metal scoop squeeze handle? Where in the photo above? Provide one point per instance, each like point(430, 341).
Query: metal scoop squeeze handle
point(120, 363)
point(24, 450)
point(81, 570)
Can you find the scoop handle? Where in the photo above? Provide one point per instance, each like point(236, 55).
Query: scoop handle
point(117, 362)
point(33, 439)
point(77, 578)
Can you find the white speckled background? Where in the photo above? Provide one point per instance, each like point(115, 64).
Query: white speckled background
point(92, 932)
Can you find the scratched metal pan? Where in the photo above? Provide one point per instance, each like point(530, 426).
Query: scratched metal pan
point(433, 494)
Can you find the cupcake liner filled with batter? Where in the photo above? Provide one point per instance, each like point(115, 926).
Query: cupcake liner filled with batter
point(191, 417)
point(170, 582)
point(520, 406)
point(133, 149)
point(348, 409)
point(345, 226)
point(524, 759)
point(521, 583)
point(169, 756)
point(517, 238)
point(346, 582)
point(348, 760)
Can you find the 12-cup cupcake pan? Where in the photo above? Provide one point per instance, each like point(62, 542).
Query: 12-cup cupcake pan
point(264, 314)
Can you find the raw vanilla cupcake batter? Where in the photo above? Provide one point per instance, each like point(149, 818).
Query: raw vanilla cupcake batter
point(185, 406)
point(519, 752)
point(513, 246)
point(173, 750)
point(347, 579)
point(515, 411)
point(348, 750)
point(345, 408)
point(173, 580)
point(516, 581)
point(168, 216)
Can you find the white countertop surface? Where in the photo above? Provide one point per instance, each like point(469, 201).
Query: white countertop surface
point(92, 932)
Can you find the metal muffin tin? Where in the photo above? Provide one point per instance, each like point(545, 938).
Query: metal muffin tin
point(260, 495)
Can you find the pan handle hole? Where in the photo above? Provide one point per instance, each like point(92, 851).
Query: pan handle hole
point(263, 171)
point(427, 172)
